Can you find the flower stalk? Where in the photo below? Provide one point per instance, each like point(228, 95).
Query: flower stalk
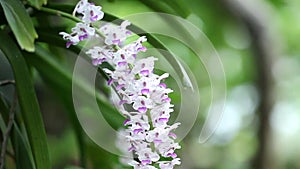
point(147, 140)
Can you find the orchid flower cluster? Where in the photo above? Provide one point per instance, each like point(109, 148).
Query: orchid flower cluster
point(148, 142)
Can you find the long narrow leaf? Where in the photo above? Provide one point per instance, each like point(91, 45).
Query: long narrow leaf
point(20, 23)
point(28, 102)
point(62, 80)
point(62, 90)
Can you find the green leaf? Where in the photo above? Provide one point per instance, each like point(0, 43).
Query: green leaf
point(62, 80)
point(20, 23)
point(63, 90)
point(28, 102)
point(22, 152)
point(180, 7)
point(37, 3)
point(158, 6)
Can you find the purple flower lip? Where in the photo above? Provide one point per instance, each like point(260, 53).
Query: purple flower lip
point(157, 141)
point(145, 91)
point(110, 81)
point(122, 63)
point(122, 102)
point(145, 162)
point(102, 59)
point(95, 62)
point(173, 135)
point(116, 41)
point(68, 44)
point(131, 149)
point(167, 99)
point(173, 155)
point(128, 32)
point(163, 119)
point(163, 85)
point(143, 49)
point(120, 86)
point(82, 37)
point(142, 109)
point(125, 122)
point(144, 72)
point(136, 131)
point(94, 18)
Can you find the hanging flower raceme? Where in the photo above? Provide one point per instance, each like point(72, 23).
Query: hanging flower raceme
point(148, 141)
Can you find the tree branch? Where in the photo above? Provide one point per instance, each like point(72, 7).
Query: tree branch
point(263, 51)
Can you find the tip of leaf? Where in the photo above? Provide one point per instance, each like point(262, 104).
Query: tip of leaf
point(29, 49)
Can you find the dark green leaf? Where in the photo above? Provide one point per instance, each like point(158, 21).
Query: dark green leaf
point(28, 102)
point(20, 23)
point(22, 152)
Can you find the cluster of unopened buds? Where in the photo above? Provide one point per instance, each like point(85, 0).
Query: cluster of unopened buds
point(147, 141)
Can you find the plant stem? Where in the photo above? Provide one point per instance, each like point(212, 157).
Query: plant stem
point(59, 13)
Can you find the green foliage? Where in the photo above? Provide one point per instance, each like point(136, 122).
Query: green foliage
point(28, 102)
point(20, 23)
point(37, 56)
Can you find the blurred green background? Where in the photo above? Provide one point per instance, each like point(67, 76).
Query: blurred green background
point(258, 44)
